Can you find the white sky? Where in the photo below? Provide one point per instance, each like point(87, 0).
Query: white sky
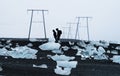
point(105, 24)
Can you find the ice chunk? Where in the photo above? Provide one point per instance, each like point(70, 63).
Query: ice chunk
point(82, 44)
point(7, 46)
point(17, 45)
point(114, 52)
point(23, 52)
point(3, 52)
point(113, 42)
point(1, 45)
point(85, 54)
point(62, 58)
point(65, 67)
point(60, 71)
point(57, 51)
point(75, 47)
point(40, 66)
point(30, 45)
point(116, 59)
point(50, 46)
point(8, 41)
point(117, 48)
point(101, 50)
point(100, 43)
point(101, 57)
point(1, 69)
point(108, 51)
point(91, 50)
point(67, 64)
point(71, 43)
point(51, 40)
point(3, 39)
point(33, 39)
point(65, 48)
point(79, 52)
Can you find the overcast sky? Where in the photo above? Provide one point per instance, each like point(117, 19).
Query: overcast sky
point(104, 25)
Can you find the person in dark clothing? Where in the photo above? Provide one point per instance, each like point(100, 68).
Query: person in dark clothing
point(59, 32)
point(55, 35)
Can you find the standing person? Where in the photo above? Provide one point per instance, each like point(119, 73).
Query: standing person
point(55, 35)
point(59, 32)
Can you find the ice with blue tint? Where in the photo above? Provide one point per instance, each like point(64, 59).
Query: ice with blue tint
point(116, 59)
point(19, 52)
point(40, 66)
point(50, 46)
point(61, 58)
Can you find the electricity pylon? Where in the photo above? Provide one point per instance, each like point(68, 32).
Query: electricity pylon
point(31, 21)
point(69, 29)
point(78, 25)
